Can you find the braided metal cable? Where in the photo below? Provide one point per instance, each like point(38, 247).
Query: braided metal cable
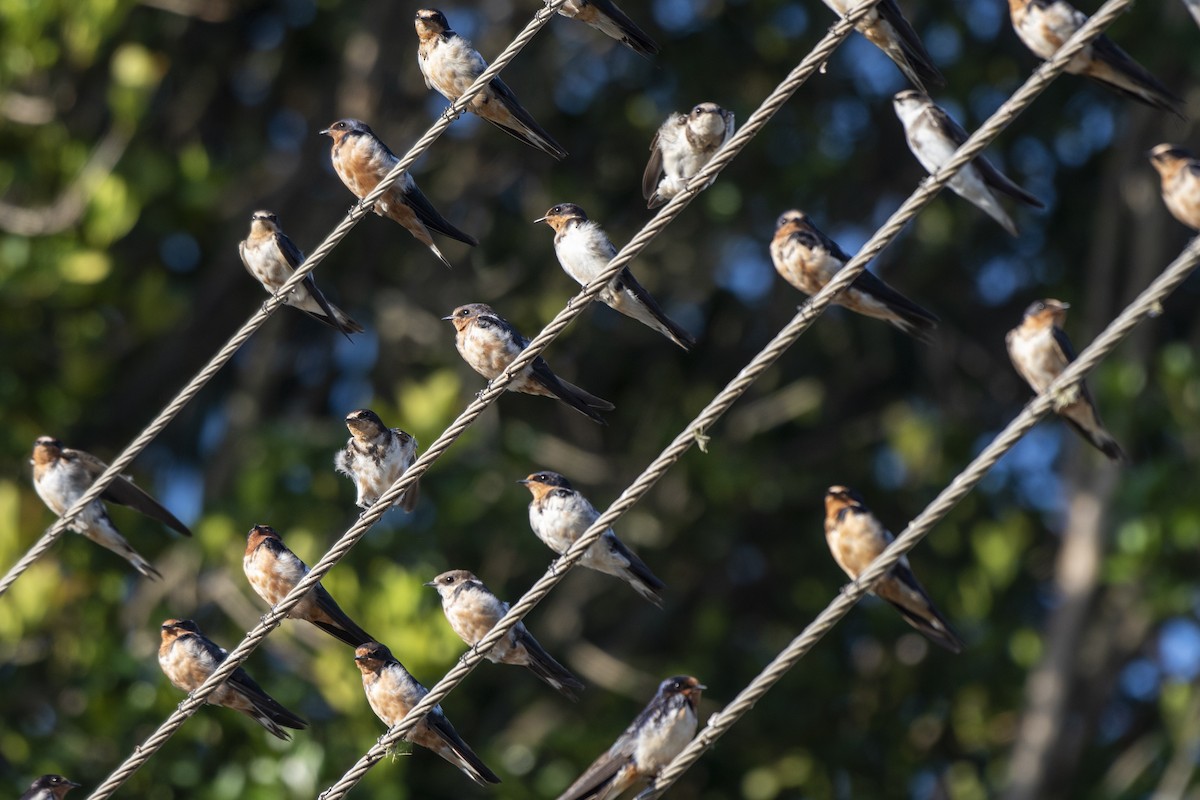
point(251, 326)
point(808, 313)
point(1147, 304)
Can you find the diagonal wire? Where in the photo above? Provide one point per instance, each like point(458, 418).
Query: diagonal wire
point(1147, 304)
point(251, 326)
point(694, 433)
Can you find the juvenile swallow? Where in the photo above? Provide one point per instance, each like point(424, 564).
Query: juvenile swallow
point(651, 741)
point(856, 537)
point(61, 475)
point(1040, 351)
point(584, 251)
point(188, 657)
point(472, 611)
point(49, 787)
point(933, 136)
point(1045, 25)
point(273, 570)
point(450, 65)
point(604, 16)
point(489, 344)
point(271, 257)
point(1180, 173)
point(808, 259)
point(886, 28)
point(559, 515)
point(361, 160)
point(392, 693)
point(681, 148)
point(375, 457)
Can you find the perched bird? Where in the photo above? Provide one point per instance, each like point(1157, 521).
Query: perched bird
point(271, 257)
point(188, 657)
point(472, 611)
point(559, 515)
point(273, 571)
point(450, 65)
point(375, 457)
point(1040, 351)
point(61, 475)
point(933, 136)
point(49, 787)
point(1180, 173)
point(1045, 25)
point(489, 344)
point(808, 259)
point(856, 538)
point(362, 160)
point(651, 741)
point(392, 693)
point(886, 28)
point(604, 16)
point(681, 148)
point(584, 251)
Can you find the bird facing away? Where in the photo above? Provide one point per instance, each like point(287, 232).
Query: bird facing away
point(271, 257)
point(559, 515)
point(1040, 351)
point(62, 475)
point(584, 251)
point(489, 344)
point(392, 693)
point(1180, 174)
point(856, 537)
point(472, 611)
point(188, 657)
point(375, 457)
point(49, 787)
point(1045, 25)
point(450, 65)
point(681, 147)
point(933, 136)
point(362, 160)
point(808, 259)
point(604, 16)
point(886, 28)
point(273, 571)
point(651, 741)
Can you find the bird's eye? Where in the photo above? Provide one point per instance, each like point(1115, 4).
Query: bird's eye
point(697, 110)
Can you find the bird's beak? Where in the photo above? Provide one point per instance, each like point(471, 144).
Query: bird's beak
point(429, 583)
point(73, 784)
point(325, 132)
point(524, 481)
point(448, 318)
point(360, 659)
point(1064, 306)
point(539, 219)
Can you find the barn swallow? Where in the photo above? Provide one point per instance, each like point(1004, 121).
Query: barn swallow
point(1180, 173)
point(49, 787)
point(188, 657)
point(886, 28)
point(489, 344)
point(273, 570)
point(933, 136)
point(604, 16)
point(584, 251)
point(375, 457)
point(651, 741)
point(681, 148)
point(62, 475)
point(808, 259)
point(559, 515)
point(1045, 25)
point(1040, 351)
point(856, 537)
point(361, 160)
point(271, 257)
point(472, 611)
point(392, 693)
point(450, 65)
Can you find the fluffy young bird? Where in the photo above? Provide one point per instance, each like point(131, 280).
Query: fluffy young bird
point(681, 148)
point(375, 457)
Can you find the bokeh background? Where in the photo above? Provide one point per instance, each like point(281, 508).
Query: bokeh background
point(137, 139)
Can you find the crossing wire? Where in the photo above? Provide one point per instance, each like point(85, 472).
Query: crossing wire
point(695, 431)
